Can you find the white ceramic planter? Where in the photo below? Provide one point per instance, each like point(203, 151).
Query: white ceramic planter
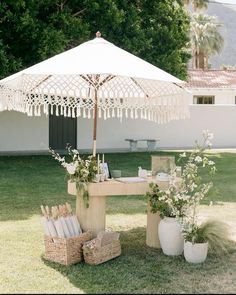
point(170, 236)
point(195, 253)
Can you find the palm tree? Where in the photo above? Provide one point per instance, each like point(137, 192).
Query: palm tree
point(197, 4)
point(205, 38)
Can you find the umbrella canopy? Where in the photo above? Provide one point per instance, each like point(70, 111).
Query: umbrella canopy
point(94, 79)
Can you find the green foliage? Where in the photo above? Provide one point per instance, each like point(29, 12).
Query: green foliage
point(156, 205)
point(215, 232)
point(166, 29)
point(182, 198)
point(168, 203)
point(79, 169)
point(205, 33)
point(31, 31)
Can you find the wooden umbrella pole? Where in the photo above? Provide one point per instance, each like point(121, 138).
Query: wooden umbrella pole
point(95, 123)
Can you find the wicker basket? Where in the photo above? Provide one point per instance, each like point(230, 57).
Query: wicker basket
point(96, 254)
point(65, 250)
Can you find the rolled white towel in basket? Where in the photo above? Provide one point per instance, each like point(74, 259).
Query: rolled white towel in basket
point(57, 223)
point(70, 226)
point(68, 221)
point(63, 223)
point(44, 222)
point(49, 228)
point(74, 221)
point(76, 225)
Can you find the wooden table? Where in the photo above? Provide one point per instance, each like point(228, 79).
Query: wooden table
point(94, 217)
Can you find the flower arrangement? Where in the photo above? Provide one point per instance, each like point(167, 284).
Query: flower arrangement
point(169, 203)
point(181, 198)
point(81, 171)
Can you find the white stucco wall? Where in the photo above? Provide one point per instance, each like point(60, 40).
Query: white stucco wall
point(18, 132)
point(221, 120)
point(222, 96)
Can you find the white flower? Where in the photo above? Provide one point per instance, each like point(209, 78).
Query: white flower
point(192, 187)
point(185, 198)
point(213, 169)
point(210, 136)
point(61, 159)
point(205, 132)
point(198, 159)
point(84, 171)
point(208, 143)
point(183, 155)
point(167, 192)
point(211, 163)
point(64, 164)
point(71, 168)
point(75, 152)
point(176, 197)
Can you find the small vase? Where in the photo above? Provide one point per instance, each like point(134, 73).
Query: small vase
point(170, 236)
point(195, 253)
point(102, 177)
point(97, 178)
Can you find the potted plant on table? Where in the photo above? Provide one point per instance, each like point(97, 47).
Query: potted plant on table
point(79, 170)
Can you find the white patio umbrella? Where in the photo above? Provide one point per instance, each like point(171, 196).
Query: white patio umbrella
point(96, 79)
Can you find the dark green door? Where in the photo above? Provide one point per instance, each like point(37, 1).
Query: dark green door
point(62, 130)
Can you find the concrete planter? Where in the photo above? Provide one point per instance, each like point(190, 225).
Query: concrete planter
point(170, 236)
point(195, 253)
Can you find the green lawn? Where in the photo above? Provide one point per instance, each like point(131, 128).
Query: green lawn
point(26, 182)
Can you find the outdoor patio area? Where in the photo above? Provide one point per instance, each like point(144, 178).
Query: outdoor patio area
point(29, 181)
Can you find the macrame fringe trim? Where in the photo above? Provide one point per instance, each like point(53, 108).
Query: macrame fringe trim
point(170, 105)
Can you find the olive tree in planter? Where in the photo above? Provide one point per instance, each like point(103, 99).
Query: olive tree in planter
point(170, 206)
point(176, 203)
point(212, 233)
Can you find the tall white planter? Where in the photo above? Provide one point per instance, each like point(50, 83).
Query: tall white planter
point(195, 253)
point(170, 236)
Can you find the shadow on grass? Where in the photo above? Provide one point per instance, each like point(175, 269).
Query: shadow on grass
point(141, 269)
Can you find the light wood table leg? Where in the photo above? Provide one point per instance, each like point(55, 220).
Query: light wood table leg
point(153, 219)
point(94, 217)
